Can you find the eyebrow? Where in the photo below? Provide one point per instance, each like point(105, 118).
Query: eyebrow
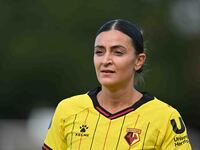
point(98, 46)
point(112, 47)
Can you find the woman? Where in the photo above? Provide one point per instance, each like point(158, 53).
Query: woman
point(116, 115)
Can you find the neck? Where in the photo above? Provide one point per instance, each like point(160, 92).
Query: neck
point(114, 100)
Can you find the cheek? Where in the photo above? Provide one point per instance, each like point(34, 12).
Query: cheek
point(128, 68)
point(127, 65)
point(96, 62)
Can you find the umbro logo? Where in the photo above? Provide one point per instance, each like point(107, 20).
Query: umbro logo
point(82, 131)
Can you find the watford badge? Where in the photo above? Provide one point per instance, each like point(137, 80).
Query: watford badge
point(132, 136)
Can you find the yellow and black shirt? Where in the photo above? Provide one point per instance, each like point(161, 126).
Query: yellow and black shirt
point(80, 123)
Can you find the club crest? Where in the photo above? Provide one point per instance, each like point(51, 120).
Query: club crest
point(132, 136)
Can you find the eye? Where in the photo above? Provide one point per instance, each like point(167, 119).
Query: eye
point(98, 52)
point(118, 53)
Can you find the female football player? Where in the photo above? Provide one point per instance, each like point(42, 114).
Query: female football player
point(116, 116)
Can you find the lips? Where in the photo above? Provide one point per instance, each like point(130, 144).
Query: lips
point(107, 71)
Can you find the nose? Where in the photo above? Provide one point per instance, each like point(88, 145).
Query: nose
point(107, 60)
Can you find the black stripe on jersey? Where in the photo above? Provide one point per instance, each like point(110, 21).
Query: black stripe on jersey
point(73, 129)
point(46, 147)
point(95, 131)
point(156, 139)
point(120, 132)
point(136, 120)
point(145, 135)
point(107, 135)
point(93, 95)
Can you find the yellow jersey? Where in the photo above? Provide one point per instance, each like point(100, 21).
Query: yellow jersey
point(80, 123)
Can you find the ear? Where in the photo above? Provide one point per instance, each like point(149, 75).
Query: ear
point(140, 60)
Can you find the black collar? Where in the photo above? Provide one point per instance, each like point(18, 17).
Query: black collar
point(93, 95)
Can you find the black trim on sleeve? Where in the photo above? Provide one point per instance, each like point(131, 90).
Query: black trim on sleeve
point(46, 147)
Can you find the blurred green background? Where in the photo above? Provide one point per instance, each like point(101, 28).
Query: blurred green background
point(46, 51)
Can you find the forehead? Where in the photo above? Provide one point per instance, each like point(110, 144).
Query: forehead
point(113, 37)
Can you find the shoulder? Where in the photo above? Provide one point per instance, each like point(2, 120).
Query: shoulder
point(164, 107)
point(160, 105)
point(76, 99)
point(158, 109)
point(74, 104)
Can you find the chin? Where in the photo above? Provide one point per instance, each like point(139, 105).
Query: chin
point(108, 83)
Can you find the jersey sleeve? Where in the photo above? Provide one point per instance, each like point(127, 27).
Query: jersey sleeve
point(55, 135)
point(176, 137)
